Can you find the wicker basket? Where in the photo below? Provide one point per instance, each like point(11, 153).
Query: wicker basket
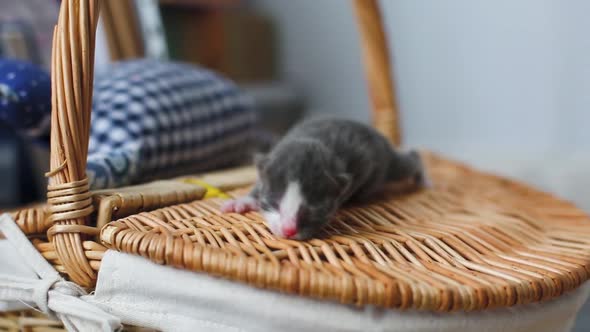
point(473, 242)
point(32, 321)
point(453, 247)
point(28, 321)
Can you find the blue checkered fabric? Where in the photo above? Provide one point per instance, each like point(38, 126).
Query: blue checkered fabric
point(153, 119)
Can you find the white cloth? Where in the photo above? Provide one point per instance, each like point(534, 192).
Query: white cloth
point(9, 261)
point(29, 278)
point(143, 293)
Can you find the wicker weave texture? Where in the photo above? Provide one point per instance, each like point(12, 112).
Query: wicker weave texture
point(473, 242)
point(112, 203)
point(33, 321)
point(121, 202)
point(72, 72)
point(28, 321)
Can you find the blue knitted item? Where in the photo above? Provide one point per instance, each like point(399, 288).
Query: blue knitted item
point(25, 98)
point(155, 119)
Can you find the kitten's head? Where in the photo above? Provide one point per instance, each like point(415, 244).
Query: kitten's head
point(301, 186)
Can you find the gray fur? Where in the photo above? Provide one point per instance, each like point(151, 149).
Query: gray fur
point(335, 161)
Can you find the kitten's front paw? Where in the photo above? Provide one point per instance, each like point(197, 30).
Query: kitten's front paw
point(240, 205)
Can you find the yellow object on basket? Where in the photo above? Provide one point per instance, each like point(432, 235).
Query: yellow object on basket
point(211, 190)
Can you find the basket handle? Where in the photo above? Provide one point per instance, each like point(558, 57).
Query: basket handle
point(68, 196)
point(378, 69)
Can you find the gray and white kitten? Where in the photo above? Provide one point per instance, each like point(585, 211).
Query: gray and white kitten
point(318, 166)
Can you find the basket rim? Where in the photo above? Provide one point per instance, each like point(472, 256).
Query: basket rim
point(449, 267)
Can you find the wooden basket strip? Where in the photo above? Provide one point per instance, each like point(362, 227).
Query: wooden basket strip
point(378, 69)
point(33, 321)
point(70, 203)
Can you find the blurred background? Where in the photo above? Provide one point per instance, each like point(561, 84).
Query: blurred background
point(501, 85)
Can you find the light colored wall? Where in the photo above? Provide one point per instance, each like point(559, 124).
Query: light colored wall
point(318, 50)
point(508, 77)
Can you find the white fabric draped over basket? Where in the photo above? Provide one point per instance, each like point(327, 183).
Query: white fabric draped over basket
point(141, 293)
point(27, 279)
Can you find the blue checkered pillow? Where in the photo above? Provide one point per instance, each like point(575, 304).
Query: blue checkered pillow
point(155, 119)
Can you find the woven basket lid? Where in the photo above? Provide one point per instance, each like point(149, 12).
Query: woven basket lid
point(474, 241)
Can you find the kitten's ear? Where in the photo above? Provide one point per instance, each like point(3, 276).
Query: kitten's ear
point(344, 180)
point(261, 162)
